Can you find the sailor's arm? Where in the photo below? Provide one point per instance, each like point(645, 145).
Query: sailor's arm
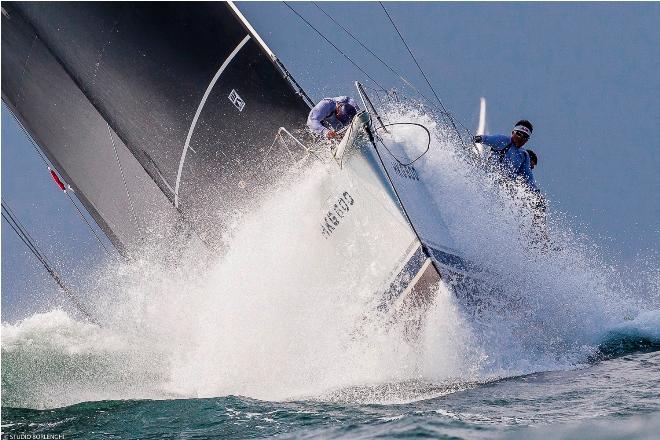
point(320, 111)
point(496, 141)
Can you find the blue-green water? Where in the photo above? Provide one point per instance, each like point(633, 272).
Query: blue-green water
point(615, 398)
point(569, 348)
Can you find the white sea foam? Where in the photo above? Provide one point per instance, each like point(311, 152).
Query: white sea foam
point(269, 320)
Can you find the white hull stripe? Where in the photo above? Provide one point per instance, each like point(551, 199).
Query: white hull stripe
point(199, 111)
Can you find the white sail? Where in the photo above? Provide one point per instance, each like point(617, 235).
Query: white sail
point(481, 129)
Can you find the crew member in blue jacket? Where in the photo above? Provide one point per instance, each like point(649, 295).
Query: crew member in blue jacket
point(332, 114)
point(508, 153)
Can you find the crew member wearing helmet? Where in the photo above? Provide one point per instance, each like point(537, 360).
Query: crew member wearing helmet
point(332, 114)
point(508, 153)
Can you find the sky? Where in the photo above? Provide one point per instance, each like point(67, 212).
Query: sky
point(586, 74)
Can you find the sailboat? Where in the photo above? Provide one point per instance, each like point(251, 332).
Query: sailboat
point(161, 119)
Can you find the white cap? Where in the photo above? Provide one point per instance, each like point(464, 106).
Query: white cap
point(523, 129)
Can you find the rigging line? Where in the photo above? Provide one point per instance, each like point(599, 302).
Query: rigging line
point(89, 225)
point(27, 135)
point(333, 45)
point(10, 220)
point(398, 196)
point(14, 224)
point(25, 241)
point(428, 144)
point(11, 212)
point(397, 74)
point(25, 236)
point(451, 119)
point(412, 56)
point(49, 165)
point(91, 228)
point(23, 231)
point(392, 96)
point(121, 171)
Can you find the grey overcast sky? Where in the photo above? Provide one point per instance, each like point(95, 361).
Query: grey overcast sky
point(586, 74)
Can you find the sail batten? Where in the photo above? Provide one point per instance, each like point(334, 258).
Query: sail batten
point(199, 110)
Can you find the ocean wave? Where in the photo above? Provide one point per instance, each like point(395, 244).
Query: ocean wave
point(268, 320)
point(641, 334)
point(52, 360)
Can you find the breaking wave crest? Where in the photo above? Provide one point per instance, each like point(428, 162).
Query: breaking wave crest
point(638, 335)
point(276, 318)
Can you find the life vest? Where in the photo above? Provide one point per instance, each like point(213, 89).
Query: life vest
point(502, 153)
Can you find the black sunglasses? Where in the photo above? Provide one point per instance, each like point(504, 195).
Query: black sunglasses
point(522, 135)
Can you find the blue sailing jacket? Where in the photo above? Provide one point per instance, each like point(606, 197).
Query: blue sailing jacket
point(516, 162)
point(322, 116)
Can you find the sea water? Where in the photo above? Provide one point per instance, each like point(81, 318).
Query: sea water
point(265, 340)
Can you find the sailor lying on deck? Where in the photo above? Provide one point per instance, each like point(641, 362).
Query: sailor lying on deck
point(332, 114)
point(507, 152)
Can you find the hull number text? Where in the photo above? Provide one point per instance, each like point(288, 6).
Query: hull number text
point(406, 171)
point(338, 211)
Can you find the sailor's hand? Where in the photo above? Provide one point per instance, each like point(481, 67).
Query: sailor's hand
point(331, 134)
point(477, 139)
